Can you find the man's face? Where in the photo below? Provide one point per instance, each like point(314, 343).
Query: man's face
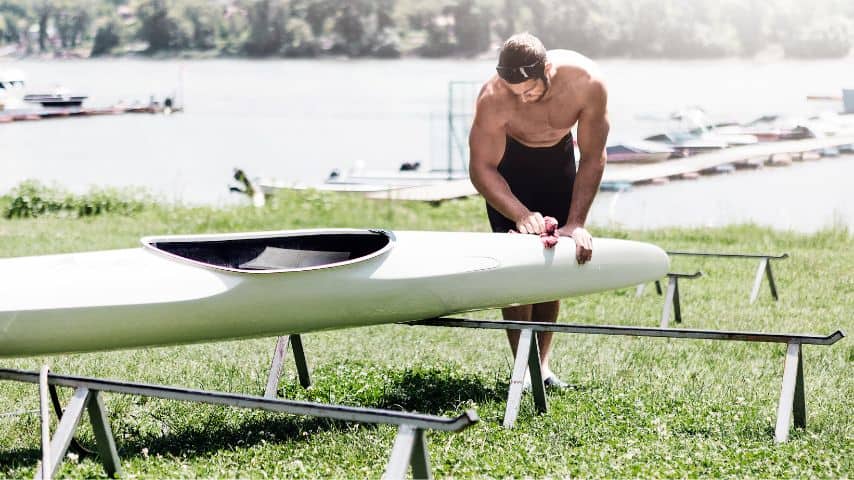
point(529, 91)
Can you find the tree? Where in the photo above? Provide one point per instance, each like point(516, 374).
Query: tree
point(160, 30)
point(471, 27)
point(106, 39)
point(827, 37)
point(72, 20)
point(43, 9)
point(203, 18)
point(266, 28)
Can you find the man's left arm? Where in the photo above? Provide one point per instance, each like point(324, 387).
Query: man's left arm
point(592, 134)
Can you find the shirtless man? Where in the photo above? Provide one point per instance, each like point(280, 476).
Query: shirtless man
point(523, 159)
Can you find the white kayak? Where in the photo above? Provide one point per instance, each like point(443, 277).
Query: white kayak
point(187, 289)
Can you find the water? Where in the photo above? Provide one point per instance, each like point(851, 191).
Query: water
point(299, 119)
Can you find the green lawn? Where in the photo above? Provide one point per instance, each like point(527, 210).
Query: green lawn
point(642, 406)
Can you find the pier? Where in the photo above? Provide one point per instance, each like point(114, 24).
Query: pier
point(703, 163)
point(23, 115)
point(750, 156)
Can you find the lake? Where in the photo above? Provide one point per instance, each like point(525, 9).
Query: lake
point(299, 119)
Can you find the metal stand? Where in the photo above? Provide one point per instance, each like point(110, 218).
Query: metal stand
point(792, 398)
point(410, 449)
point(276, 364)
point(410, 446)
point(671, 299)
point(90, 400)
point(764, 268)
point(527, 359)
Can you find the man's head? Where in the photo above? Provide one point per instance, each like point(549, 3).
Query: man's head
point(522, 65)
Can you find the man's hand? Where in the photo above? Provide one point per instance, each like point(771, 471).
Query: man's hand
point(531, 222)
point(583, 242)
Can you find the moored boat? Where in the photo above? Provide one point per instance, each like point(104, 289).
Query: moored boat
point(638, 152)
point(189, 289)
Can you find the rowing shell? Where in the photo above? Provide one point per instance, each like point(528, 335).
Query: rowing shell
point(188, 289)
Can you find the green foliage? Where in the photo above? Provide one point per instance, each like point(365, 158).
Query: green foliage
point(106, 39)
point(823, 37)
point(160, 29)
point(31, 199)
point(390, 28)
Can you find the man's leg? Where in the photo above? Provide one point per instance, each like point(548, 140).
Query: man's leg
point(521, 313)
point(539, 312)
point(545, 312)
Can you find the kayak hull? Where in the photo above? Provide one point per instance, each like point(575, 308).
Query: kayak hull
point(146, 297)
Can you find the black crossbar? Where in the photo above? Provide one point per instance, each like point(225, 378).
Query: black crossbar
point(635, 331)
point(730, 255)
point(295, 407)
point(696, 274)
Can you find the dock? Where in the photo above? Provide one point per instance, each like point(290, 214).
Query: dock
point(24, 115)
point(704, 163)
point(616, 177)
point(432, 192)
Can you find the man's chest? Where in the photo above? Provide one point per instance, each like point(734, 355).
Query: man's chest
point(536, 118)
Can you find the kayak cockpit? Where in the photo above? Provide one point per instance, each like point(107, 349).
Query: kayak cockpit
point(260, 253)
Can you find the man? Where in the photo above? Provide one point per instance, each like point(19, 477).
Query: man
point(523, 159)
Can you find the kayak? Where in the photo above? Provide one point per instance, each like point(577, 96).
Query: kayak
point(188, 289)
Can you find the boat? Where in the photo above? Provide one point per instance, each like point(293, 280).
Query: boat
point(55, 100)
point(686, 143)
point(638, 152)
point(11, 89)
point(189, 289)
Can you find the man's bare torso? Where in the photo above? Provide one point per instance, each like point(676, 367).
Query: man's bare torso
point(543, 123)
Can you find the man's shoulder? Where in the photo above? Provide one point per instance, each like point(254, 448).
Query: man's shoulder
point(493, 96)
point(573, 66)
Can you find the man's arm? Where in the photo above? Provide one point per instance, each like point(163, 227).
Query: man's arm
point(487, 142)
point(592, 134)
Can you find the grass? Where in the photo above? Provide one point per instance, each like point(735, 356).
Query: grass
point(642, 407)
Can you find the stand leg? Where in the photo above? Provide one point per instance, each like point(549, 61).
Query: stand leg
point(276, 367)
point(658, 287)
point(76, 446)
point(410, 448)
point(677, 305)
point(299, 358)
point(639, 290)
point(276, 364)
point(65, 432)
point(44, 413)
point(517, 380)
point(800, 404)
point(763, 265)
point(420, 457)
point(788, 392)
point(668, 302)
point(538, 387)
point(771, 284)
point(104, 436)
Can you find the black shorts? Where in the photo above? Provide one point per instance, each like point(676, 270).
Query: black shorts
point(541, 178)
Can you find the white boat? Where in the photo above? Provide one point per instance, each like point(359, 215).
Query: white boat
point(638, 152)
point(367, 182)
point(11, 89)
point(187, 289)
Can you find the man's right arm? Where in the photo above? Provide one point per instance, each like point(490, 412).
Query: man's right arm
point(487, 142)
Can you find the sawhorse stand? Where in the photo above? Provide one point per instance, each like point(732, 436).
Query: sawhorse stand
point(410, 446)
point(764, 269)
point(672, 300)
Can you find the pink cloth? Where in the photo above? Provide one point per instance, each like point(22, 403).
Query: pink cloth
point(549, 237)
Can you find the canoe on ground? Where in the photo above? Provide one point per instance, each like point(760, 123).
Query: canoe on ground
point(187, 289)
